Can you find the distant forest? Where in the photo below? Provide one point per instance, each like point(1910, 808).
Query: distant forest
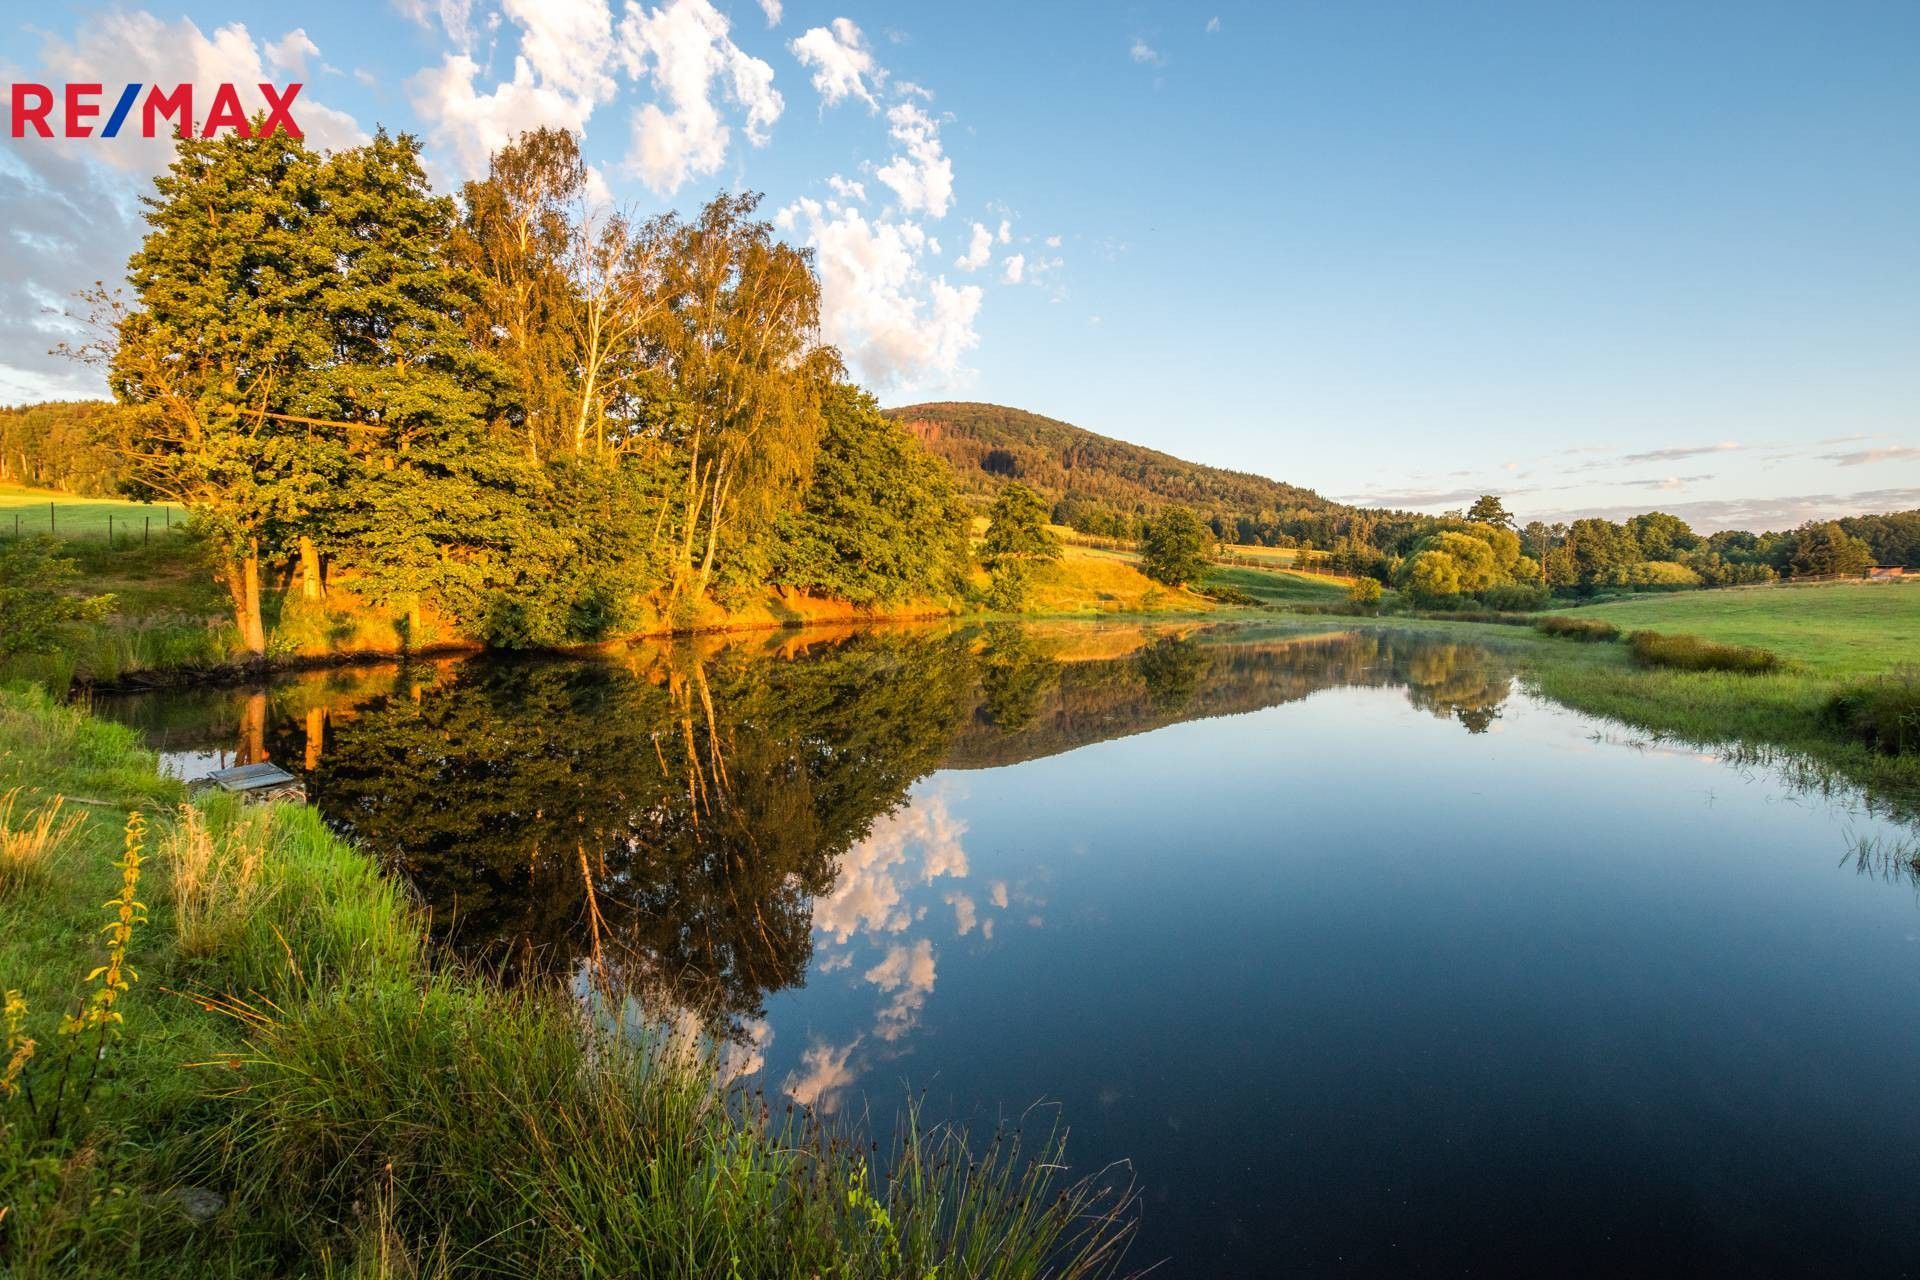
point(1106, 488)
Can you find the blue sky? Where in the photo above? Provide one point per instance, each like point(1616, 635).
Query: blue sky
point(1598, 258)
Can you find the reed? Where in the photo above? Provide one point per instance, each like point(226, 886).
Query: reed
point(31, 840)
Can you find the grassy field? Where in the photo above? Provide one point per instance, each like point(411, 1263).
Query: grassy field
point(1280, 587)
point(294, 1085)
point(35, 511)
point(1830, 628)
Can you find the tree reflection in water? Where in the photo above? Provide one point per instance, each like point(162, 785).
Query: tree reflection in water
point(698, 814)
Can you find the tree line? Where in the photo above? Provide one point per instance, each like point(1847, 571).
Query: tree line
point(519, 413)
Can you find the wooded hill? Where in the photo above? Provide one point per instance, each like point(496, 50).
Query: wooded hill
point(990, 444)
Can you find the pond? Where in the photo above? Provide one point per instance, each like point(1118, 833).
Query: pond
point(1366, 960)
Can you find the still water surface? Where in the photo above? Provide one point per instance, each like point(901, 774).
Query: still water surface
point(1367, 960)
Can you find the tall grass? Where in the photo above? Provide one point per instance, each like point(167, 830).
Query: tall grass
point(1569, 628)
point(1692, 653)
point(31, 839)
point(1884, 714)
point(513, 1134)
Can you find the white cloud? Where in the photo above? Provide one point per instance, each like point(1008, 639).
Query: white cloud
point(290, 52)
point(1213, 26)
point(466, 126)
point(1006, 232)
point(922, 177)
point(683, 46)
point(896, 325)
point(847, 188)
point(773, 10)
point(965, 911)
point(1014, 268)
point(1145, 54)
point(979, 250)
point(568, 43)
point(842, 63)
point(455, 17)
point(1053, 242)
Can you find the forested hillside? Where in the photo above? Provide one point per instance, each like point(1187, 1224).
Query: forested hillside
point(990, 444)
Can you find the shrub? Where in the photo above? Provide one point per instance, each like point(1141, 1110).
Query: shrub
point(1516, 597)
point(1692, 653)
point(1883, 713)
point(1569, 628)
point(1365, 592)
point(34, 597)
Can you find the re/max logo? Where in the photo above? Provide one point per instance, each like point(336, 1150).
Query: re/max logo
point(81, 103)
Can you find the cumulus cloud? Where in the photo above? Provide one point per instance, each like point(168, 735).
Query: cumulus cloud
point(979, 250)
point(290, 52)
point(847, 189)
point(921, 175)
point(896, 324)
point(965, 911)
point(842, 64)
point(465, 126)
point(773, 10)
point(684, 48)
point(1014, 268)
point(1145, 54)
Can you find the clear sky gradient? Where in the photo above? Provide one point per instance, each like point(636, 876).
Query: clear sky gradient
point(1598, 258)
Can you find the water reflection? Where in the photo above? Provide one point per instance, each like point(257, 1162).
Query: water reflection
point(701, 818)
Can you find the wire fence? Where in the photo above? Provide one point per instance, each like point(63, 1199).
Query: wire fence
point(78, 522)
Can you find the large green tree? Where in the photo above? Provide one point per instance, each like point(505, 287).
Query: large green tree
point(1176, 547)
point(219, 349)
point(880, 520)
point(1017, 539)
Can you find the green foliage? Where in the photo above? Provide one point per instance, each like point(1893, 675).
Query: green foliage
point(1568, 627)
point(1692, 653)
point(1176, 547)
point(35, 603)
point(1661, 536)
point(1488, 509)
point(1828, 551)
point(72, 446)
point(1017, 539)
point(1365, 592)
point(880, 520)
point(1514, 597)
point(989, 445)
point(1882, 713)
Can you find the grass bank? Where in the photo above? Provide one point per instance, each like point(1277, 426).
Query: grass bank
point(294, 1085)
point(1831, 639)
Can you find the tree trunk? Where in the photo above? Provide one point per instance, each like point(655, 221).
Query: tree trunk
point(243, 585)
point(313, 584)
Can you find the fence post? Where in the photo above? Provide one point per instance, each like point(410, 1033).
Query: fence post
point(146, 530)
point(109, 530)
point(49, 517)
